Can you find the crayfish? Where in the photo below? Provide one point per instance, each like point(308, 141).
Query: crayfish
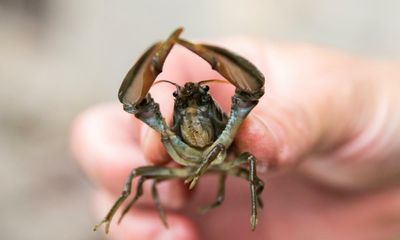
point(201, 134)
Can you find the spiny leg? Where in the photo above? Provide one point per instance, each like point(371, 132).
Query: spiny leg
point(244, 173)
point(145, 172)
point(220, 194)
point(241, 159)
point(139, 192)
point(154, 194)
point(256, 185)
point(210, 157)
point(125, 193)
point(253, 192)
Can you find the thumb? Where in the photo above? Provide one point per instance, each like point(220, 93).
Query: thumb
point(279, 135)
point(327, 106)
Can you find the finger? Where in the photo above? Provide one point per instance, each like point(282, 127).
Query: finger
point(278, 135)
point(301, 106)
point(315, 107)
point(146, 224)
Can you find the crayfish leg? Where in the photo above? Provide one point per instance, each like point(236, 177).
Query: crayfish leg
point(147, 172)
point(256, 184)
point(220, 195)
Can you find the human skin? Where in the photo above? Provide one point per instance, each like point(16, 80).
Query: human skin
point(328, 127)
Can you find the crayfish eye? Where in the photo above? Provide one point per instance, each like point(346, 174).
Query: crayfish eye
point(175, 94)
point(205, 88)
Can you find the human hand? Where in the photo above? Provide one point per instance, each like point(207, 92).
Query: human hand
point(328, 125)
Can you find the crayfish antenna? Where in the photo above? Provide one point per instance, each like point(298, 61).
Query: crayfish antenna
point(212, 81)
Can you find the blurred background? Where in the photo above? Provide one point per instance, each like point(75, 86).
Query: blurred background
point(59, 57)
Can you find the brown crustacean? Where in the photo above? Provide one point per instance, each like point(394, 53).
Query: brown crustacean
point(201, 133)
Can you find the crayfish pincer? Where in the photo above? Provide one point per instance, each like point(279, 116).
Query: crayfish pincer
point(201, 133)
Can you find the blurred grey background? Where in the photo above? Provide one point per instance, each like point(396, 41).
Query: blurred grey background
point(59, 57)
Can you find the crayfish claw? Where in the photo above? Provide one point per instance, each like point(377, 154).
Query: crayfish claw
point(236, 69)
point(192, 181)
point(106, 228)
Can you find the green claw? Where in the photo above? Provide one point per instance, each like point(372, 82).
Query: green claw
point(192, 181)
point(188, 180)
point(107, 226)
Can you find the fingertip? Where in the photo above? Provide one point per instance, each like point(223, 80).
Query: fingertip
point(256, 137)
point(278, 133)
